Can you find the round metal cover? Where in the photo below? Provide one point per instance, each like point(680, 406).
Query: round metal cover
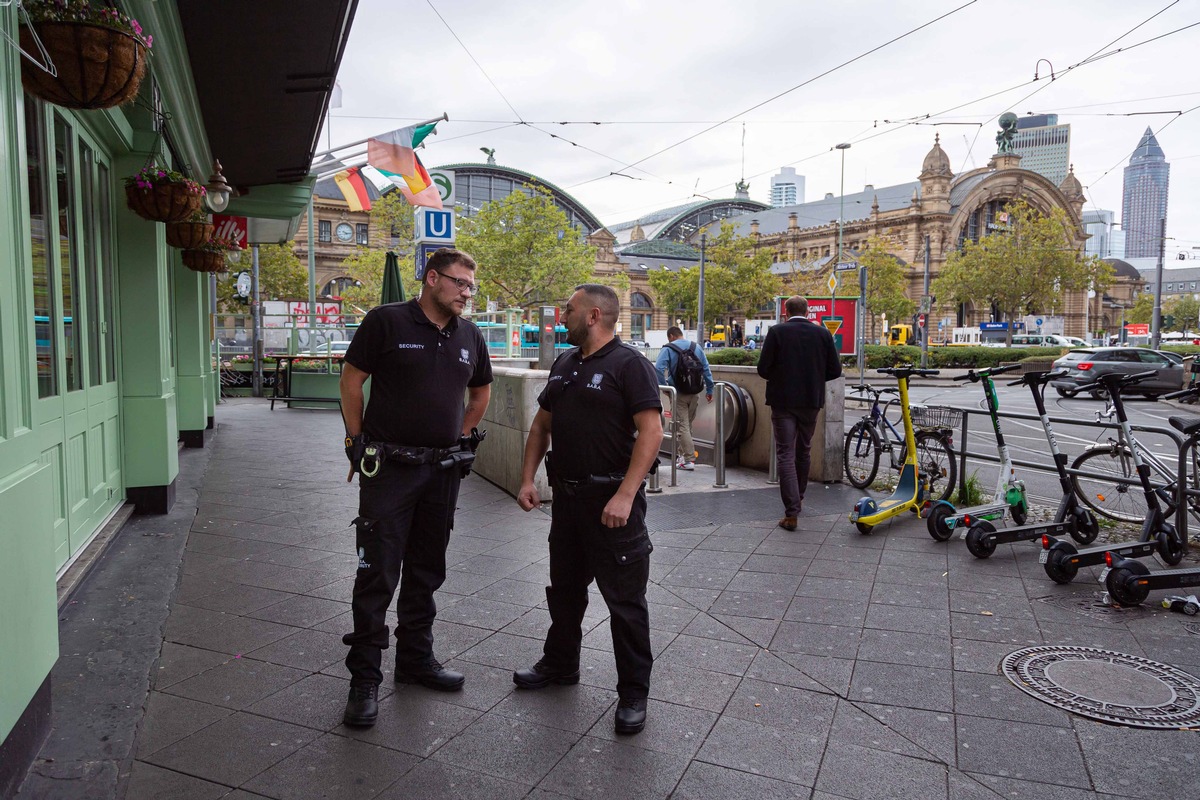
point(1107, 686)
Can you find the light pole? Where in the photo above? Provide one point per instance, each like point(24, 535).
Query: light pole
point(700, 296)
point(862, 275)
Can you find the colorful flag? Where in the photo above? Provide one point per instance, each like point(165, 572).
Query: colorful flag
point(351, 184)
point(381, 182)
point(394, 151)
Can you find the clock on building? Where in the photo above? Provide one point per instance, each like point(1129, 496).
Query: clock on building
point(344, 232)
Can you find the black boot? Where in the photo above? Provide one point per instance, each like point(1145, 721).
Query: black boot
point(631, 715)
point(431, 674)
point(363, 706)
point(539, 676)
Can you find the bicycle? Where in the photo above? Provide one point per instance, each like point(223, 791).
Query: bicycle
point(870, 437)
point(1119, 495)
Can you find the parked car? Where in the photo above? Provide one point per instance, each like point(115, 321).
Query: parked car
point(639, 343)
point(330, 349)
point(1046, 340)
point(1085, 364)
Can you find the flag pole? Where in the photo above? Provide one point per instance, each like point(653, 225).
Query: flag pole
point(443, 118)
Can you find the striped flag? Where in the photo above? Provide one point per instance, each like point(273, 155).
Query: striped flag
point(392, 155)
point(351, 184)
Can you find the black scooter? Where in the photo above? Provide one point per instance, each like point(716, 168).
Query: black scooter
point(1127, 581)
point(1062, 561)
point(1072, 517)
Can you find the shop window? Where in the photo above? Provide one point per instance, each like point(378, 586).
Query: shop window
point(106, 266)
point(92, 254)
point(45, 315)
point(68, 253)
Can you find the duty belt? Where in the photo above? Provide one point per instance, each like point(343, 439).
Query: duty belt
point(574, 486)
point(378, 452)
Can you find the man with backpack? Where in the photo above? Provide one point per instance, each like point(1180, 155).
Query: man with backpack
point(684, 366)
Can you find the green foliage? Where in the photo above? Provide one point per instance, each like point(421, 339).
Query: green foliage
point(528, 254)
point(1027, 267)
point(1142, 310)
point(885, 284)
point(971, 492)
point(393, 215)
point(1182, 349)
point(733, 356)
point(737, 280)
point(878, 356)
point(281, 276)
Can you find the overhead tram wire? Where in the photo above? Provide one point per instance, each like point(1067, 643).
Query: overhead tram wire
point(756, 106)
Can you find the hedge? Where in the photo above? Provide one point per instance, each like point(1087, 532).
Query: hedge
point(941, 357)
point(733, 356)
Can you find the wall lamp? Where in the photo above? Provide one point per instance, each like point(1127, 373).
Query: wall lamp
point(217, 190)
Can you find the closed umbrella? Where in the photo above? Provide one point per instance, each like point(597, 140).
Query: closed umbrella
point(393, 289)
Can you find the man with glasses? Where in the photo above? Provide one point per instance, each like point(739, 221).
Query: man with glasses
point(602, 411)
point(408, 446)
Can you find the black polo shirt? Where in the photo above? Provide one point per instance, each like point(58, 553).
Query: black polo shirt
point(592, 402)
point(418, 374)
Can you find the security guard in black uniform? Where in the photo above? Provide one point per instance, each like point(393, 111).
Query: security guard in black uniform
point(601, 410)
point(412, 447)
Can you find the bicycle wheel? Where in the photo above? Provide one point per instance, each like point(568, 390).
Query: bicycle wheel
point(861, 455)
point(1110, 496)
point(935, 460)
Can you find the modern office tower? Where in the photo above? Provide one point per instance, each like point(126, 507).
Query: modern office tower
point(1099, 227)
point(787, 188)
point(1144, 201)
point(1044, 146)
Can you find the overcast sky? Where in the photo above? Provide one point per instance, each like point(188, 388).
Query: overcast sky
point(657, 73)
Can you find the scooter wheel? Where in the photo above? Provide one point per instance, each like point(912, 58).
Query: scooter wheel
point(864, 528)
point(1086, 529)
point(977, 541)
point(1057, 569)
point(936, 524)
point(1018, 513)
point(1170, 548)
point(1121, 586)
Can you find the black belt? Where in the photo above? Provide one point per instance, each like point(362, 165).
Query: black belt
point(573, 486)
point(377, 453)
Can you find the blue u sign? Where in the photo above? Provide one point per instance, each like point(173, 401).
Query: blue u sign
point(436, 225)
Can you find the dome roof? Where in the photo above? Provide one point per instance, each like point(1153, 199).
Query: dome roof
point(1071, 186)
point(1122, 269)
point(937, 162)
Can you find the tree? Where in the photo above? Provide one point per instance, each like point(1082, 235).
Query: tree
point(886, 280)
point(1026, 267)
point(737, 280)
point(1186, 311)
point(281, 275)
point(527, 252)
point(392, 220)
point(1142, 310)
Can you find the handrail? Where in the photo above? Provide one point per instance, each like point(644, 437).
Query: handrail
point(720, 389)
point(674, 395)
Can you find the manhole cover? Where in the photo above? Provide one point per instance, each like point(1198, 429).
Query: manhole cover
point(1108, 686)
point(1091, 605)
point(1193, 628)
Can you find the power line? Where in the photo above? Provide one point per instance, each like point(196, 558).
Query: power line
point(472, 57)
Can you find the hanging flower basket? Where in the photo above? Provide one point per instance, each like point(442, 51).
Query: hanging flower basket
point(162, 195)
point(191, 233)
point(98, 66)
point(204, 260)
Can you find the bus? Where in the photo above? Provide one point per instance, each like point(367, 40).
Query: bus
point(497, 336)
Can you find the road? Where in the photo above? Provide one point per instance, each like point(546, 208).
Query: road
point(1026, 439)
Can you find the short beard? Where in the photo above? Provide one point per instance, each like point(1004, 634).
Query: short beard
point(577, 335)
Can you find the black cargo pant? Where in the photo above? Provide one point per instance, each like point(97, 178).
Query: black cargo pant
point(405, 516)
point(618, 559)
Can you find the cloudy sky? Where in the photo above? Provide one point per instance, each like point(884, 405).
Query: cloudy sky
point(674, 84)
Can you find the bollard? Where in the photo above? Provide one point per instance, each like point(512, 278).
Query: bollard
point(670, 390)
point(773, 467)
point(652, 486)
point(720, 388)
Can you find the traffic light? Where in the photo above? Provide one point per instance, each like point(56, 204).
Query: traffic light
point(1168, 321)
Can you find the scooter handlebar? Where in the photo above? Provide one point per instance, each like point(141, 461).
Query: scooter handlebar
point(1193, 391)
point(1032, 378)
point(975, 377)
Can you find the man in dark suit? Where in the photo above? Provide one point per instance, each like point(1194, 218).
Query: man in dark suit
point(797, 359)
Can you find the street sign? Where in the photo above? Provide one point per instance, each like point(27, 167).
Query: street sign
point(443, 179)
point(421, 257)
point(920, 320)
point(846, 266)
point(435, 225)
point(832, 283)
point(926, 303)
point(1039, 322)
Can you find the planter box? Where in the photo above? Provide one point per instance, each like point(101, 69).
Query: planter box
point(321, 386)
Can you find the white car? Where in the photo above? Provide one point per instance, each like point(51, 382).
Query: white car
point(330, 349)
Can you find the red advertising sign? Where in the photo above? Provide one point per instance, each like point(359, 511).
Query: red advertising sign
point(234, 229)
point(1138, 329)
point(841, 320)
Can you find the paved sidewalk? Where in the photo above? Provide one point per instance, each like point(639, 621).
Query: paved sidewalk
point(202, 657)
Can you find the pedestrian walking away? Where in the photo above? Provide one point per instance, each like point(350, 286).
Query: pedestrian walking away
point(683, 365)
point(797, 359)
point(601, 411)
point(411, 447)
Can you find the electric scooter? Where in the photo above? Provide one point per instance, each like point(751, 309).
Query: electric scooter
point(1128, 581)
point(1062, 561)
point(1072, 516)
point(912, 489)
point(1009, 497)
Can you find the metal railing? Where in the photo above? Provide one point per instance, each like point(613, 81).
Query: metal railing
point(655, 487)
point(720, 389)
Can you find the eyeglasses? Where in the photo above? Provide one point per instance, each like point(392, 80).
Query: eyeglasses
point(463, 285)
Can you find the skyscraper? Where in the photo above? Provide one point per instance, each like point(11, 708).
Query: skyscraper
point(1044, 146)
point(787, 188)
point(1144, 200)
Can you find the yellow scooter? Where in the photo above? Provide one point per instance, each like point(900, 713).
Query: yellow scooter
point(912, 490)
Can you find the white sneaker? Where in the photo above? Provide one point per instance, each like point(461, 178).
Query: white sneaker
point(687, 465)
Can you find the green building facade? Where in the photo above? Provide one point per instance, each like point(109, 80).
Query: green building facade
point(105, 344)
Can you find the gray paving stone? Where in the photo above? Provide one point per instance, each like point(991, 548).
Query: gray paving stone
point(415, 721)
point(707, 781)
point(912, 576)
point(833, 588)
point(975, 656)
point(597, 768)
point(688, 686)
point(507, 748)
point(301, 611)
point(666, 617)
point(751, 604)
point(487, 614)
point(148, 782)
point(1041, 753)
point(238, 683)
point(670, 728)
point(167, 719)
point(1029, 790)
point(241, 600)
point(1128, 762)
point(866, 774)
point(573, 709)
point(835, 641)
point(758, 631)
point(929, 621)
point(898, 647)
point(995, 697)
point(1020, 633)
point(233, 750)
point(832, 673)
point(903, 685)
point(316, 702)
point(932, 558)
point(853, 723)
point(1012, 606)
point(333, 768)
point(307, 650)
point(731, 658)
point(706, 626)
point(771, 752)
point(1109, 637)
point(484, 686)
point(518, 593)
point(178, 662)
point(446, 782)
point(712, 579)
point(785, 707)
point(826, 611)
point(916, 596)
point(932, 732)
